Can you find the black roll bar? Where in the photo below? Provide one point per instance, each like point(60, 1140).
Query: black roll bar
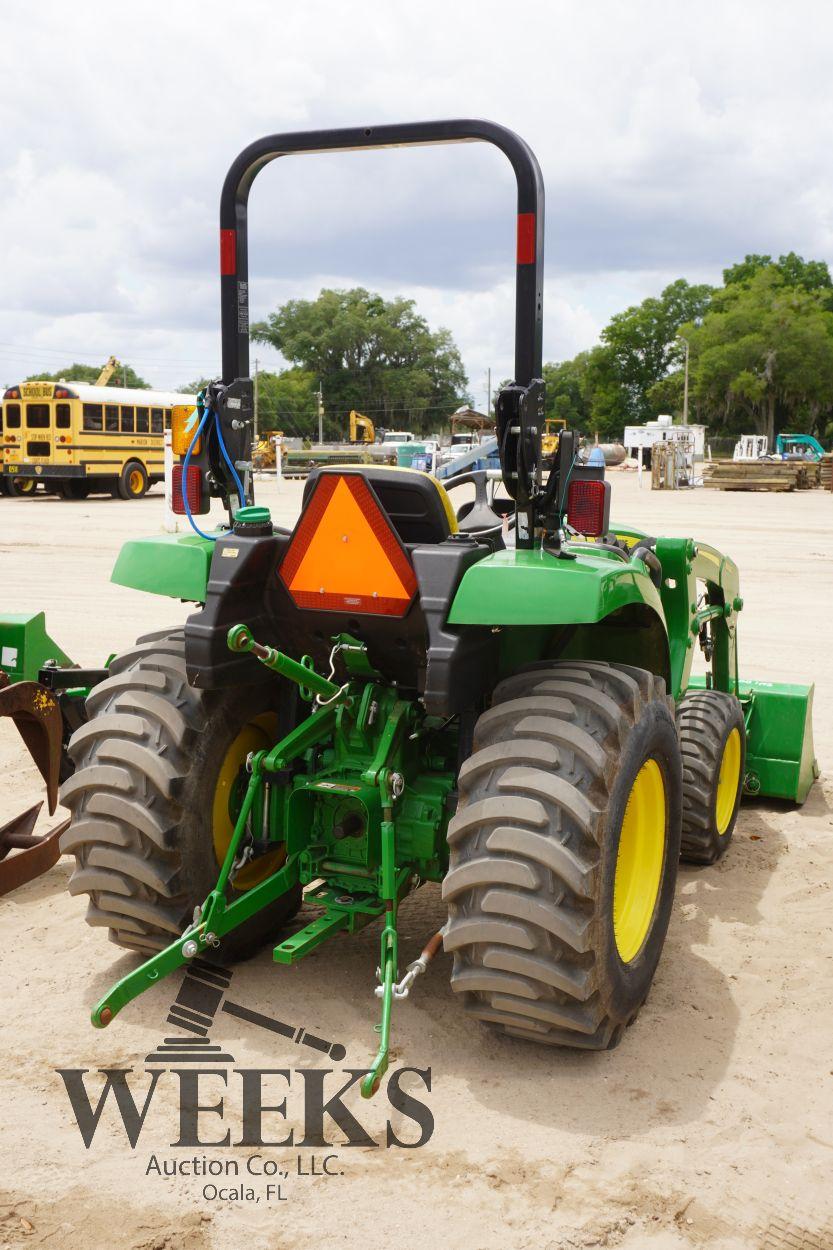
point(234, 263)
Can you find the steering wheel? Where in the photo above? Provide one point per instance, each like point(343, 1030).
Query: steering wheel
point(480, 520)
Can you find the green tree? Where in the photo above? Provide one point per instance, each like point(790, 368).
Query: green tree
point(764, 355)
point(643, 344)
point(194, 388)
point(568, 391)
point(587, 392)
point(376, 355)
point(123, 376)
point(792, 269)
point(287, 401)
point(666, 395)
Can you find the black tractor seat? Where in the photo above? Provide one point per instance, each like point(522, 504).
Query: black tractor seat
point(416, 503)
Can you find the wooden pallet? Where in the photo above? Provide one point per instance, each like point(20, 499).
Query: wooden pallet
point(826, 471)
point(772, 475)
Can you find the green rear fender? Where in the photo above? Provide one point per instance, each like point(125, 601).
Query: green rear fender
point(176, 565)
point(537, 592)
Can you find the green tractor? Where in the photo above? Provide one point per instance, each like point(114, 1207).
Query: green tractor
point(389, 695)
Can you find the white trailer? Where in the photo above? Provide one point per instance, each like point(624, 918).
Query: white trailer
point(663, 430)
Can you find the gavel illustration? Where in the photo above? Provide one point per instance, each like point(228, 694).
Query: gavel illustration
point(201, 994)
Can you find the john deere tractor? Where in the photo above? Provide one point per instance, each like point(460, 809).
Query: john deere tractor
point(388, 696)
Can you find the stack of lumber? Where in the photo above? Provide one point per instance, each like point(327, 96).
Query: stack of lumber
point(826, 470)
point(760, 474)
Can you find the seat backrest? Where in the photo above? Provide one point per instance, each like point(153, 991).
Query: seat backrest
point(416, 503)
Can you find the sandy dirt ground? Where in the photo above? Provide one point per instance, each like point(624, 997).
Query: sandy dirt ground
point(709, 1126)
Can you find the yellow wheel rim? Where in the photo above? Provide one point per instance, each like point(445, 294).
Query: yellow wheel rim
point(258, 735)
point(135, 482)
point(728, 781)
point(639, 861)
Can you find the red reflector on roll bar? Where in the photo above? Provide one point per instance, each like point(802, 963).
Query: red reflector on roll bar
point(228, 252)
point(526, 238)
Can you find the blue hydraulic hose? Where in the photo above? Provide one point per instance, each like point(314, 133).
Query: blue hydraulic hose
point(241, 494)
point(211, 537)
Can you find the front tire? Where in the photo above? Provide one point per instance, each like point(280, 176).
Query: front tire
point(713, 744)
point(564, 852)
point(133, 481)
point(151, 794)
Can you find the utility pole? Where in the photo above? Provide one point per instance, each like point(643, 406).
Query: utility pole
point(257, 371)
point(319, 395)
point(685, 382)
point(489, 392)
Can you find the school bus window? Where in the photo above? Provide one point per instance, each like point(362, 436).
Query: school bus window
point(168, 418)
point(128, 420)
point(141, 420)
point(92, 416)
point(62, 416)
point(111, 418)
point(37, 416)
point(156, 422)
point(12, 416)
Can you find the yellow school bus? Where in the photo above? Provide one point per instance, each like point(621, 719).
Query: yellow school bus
point(77, 438)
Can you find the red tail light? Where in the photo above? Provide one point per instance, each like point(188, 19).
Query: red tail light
point(193, 485)
point(588, 506)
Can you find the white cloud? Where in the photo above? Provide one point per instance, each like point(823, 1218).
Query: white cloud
point(672, 140)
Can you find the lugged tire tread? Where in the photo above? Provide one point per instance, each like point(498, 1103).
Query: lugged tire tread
point(523, 955)
point(132, 759)
point(703, 717)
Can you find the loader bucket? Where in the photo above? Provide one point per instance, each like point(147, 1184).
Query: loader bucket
point(36, 714)
point(780, 757)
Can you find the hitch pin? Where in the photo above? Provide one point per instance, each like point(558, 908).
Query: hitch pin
point(420, 965)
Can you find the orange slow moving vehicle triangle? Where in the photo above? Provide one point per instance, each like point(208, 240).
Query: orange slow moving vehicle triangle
point(344, 554)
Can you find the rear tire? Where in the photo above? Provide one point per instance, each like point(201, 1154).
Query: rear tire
point(147, 766)
point(22, 487)
point(539, 896)
point(713, 744)
point(133, 481)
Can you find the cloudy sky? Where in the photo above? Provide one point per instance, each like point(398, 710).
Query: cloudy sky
point(673, 138)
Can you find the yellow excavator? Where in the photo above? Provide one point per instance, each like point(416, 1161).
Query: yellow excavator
point(552, 432)
point(107, 372)
point(362, 429)
point(554, 427)
point(263, 452)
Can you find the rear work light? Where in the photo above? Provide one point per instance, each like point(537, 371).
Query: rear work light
point(588, 507)
point(198, 501)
